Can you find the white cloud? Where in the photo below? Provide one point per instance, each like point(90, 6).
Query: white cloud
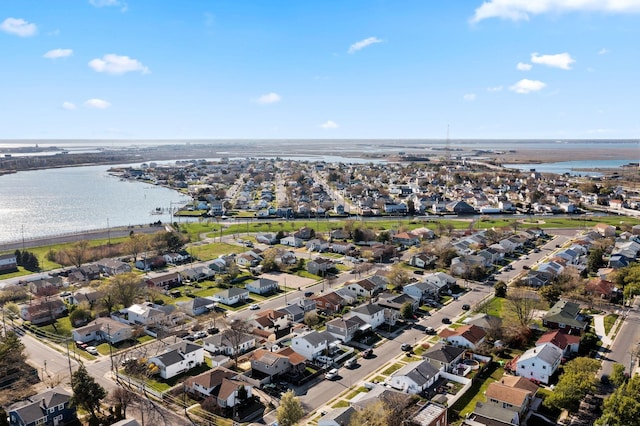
point(494, 89)
point(560, 60)
point(329, 124)
point(58, 53)
point(97, 103)
point(269, 98)
point(359, 45)
point(522, 10)
point(603, 51)
point(115, 64)
point(470, 97)
point(523, 66)
point(69, 105)
point(19, 27)
point(525, 86)
point(109, 3)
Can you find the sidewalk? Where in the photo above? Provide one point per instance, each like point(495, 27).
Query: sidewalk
point(598, 322)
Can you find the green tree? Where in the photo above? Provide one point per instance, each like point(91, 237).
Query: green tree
point(618, 376)
point(290, 410)
point(551, 294)
point(398, 276)
point(125, 288)
point(500, 289)
point(311, 319)
point(577, 380)
point(595, 259)
point(622, 408)
point(406, 310)
point(87, 393)
point(375, 414)
point(79, 315)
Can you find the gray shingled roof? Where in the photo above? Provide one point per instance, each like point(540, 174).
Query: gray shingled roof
point(421, 372)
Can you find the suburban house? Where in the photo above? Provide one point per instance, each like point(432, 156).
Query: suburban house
point(197, 274)
point(314, 344)
point(318, 245)
point(231, 296)
point(218, 265)
point(149, 314)
point(414, 377)
point(270, 320)
point(421, 290)
point(329, 302)
point(273, 364)
point(8, 263)
point(371, 313)
point(539, 363)
point(294, 312)
point(346, 329)
point(43, 311)
point(444, 357)
point(262, 286)
point(337, 417)
point(103, 330)
point(220, 383)
point(292, 241)
point(468, 336)
point(565, 315)
point(567, 343)
point(508, 401)
point(175, 258)
point(178, 358)
point(51, 407)
point(395, 301)
point(605, 230)
point(406, 239)
point(85, 296)
point(422, 260)
point(196, 306)
point(44, 286)
point(319, 266)
point(166, 281)
point(229, 342)
point(365, 287)
point(113, 267)
point(442, 281)
point(484, 321)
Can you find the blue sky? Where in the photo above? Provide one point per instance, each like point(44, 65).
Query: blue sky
point(287, 69)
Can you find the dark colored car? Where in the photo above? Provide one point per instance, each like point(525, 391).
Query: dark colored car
point(367, 353)
point(446, 321)
point(466, 307)
point(430, 330)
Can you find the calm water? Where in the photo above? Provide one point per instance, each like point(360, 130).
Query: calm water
point(60, 201)
point(571, 167)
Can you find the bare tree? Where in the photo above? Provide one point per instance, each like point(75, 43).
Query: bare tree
point(235, 335)
point(521, 303)
point(78, 253)
point(136, 244)
point(123, 397)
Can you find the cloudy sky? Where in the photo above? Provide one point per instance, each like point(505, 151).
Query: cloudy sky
point(165, 69)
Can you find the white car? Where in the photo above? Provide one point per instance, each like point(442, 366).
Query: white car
point(254, 307)
point(331, 374)
point(92, 350)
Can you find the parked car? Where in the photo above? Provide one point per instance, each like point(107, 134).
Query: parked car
point(446, 320)
point(254, 307)
point(406, 347)
point(367, 353)
point(213, 330)
point(351, 362)
point(430, 330)
point(466, 307)
point(200, 334)
point(92, 350)
point(308, 293)
point(331, 374)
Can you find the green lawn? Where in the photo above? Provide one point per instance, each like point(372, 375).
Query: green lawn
point(392, 369)
point(609, 320)
point(214, 250)
point(494, 306)
point(467, 402)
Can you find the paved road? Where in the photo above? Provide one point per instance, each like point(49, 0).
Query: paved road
point(626, 345)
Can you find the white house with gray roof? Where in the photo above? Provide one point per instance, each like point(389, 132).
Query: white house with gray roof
point(371, 313)
point(414, 377)
point(539, 363)
point(178, 358)
point(313, 344)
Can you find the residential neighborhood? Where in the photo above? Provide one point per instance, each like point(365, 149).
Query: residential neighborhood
point(416, 309)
